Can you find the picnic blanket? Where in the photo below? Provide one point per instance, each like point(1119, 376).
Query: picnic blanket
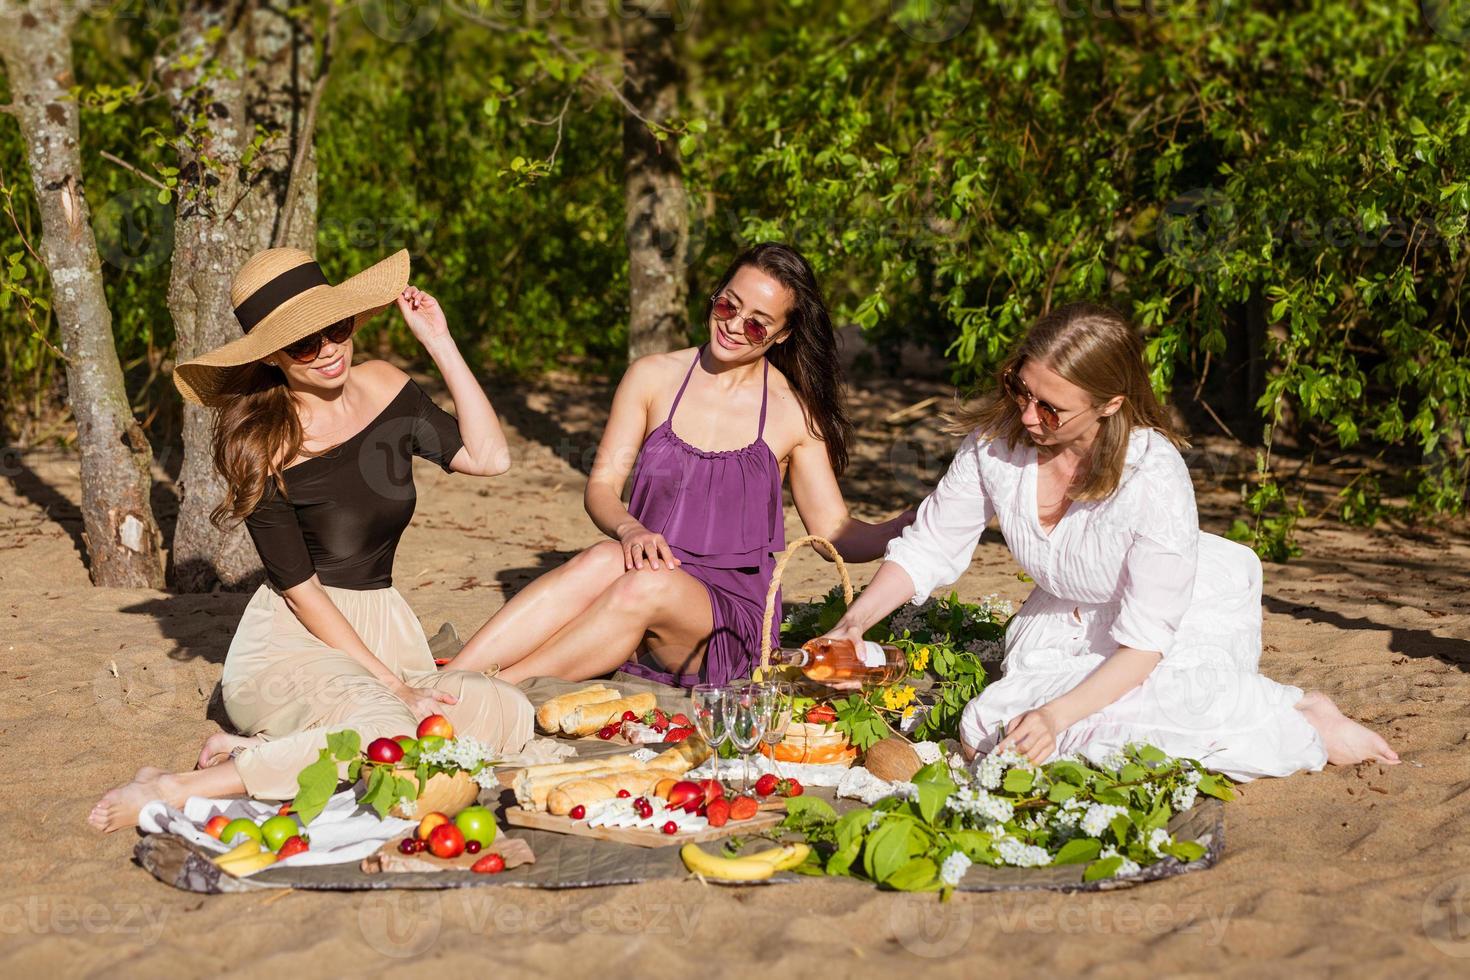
point(173, 852)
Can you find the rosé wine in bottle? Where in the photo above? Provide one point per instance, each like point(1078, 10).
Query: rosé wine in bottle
point(841, 664)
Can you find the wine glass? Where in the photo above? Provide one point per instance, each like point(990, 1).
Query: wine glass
point(708, 702)
point(745, 717)
point(776, 698)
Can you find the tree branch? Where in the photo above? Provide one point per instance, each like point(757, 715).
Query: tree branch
point(306, 134)
point(128, 166)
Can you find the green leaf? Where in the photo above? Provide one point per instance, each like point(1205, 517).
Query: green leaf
point(931, 800)
point(1105, 868)
point(345, 745)
point(1078, 851)
point(810, 807)
point(1185, 850)
point(1061, 792)
point(1217, 786)
point(886, 849)
point(919, 874)
point(1018, 781)
point(315, 785)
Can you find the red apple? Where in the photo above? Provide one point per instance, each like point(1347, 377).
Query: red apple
point(436, 725)
point(430, 823)
point(216, 825)
point(688, 794)
point(446, 841)
point(713, 790)
point(384, 750)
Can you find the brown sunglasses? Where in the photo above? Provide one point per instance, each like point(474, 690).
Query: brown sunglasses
point(306, 350)
point(1050, 418)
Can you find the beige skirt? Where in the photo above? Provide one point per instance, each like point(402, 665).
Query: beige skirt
point(289, 688)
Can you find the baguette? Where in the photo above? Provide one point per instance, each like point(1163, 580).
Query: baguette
point(684, 756)
point(590, 717)
point(531, 787)
point(575, 792)
point(549, 715)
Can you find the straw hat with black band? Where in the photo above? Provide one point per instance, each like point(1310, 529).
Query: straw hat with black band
point(281, 296)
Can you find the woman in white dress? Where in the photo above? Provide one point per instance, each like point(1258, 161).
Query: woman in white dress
point(1141, 628)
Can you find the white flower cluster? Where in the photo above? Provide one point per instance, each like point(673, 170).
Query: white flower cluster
point(463, 752)
point(979, 803)
point(994, 607)
point(952, 871)
point(1021, 855)
point(1128, 867)
point(1098, 816)
point(486, 778)
point(1070, 814)
point(1114, 761)
point(1184, 796)
point(991, 769)
point(1158, 840)
point(905, 791)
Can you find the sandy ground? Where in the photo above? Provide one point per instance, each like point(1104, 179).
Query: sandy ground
point(1363, 870)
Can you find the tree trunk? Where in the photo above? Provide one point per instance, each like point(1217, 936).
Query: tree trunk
point(657, 221)
point(124, 547)
point(229, 208)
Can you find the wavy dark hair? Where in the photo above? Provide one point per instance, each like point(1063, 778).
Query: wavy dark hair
point(808, 358)
point(256, 432)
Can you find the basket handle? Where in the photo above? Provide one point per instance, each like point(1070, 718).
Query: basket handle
point(786, 556)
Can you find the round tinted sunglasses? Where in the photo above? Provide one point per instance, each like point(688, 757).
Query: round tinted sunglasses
point(724, 310)
point(306, 350)
point(1050, 418)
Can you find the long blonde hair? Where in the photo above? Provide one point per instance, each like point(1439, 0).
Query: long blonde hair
point(1095, 348)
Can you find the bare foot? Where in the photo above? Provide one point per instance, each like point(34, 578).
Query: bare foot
point(1347, 742)
point(119, 807)
point(221, 746)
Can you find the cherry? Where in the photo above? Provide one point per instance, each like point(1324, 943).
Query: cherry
point(607, 732)
point(623, 794)
point(671, 828)
point(629, 716)
point(407, 846)
point(578, 812)
point(472, 847)
point(420, 845)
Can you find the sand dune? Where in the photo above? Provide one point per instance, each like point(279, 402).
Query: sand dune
point(1363, 870)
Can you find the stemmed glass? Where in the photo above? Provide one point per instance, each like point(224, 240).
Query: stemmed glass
point(776, 700)
point(709, 702)
point(745, 717)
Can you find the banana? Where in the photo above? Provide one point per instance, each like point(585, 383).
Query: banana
point(749, 867)
point(248, 865)
point(250, 847)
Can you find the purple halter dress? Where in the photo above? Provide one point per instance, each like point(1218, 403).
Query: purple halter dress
point(721, 514)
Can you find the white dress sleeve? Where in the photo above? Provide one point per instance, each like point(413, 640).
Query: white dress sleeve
point(936, 549)
point(1159, 568)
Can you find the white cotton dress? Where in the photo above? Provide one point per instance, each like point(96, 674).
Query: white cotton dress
point(1132, 570)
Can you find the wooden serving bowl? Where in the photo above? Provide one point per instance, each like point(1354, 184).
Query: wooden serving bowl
point(442, 793)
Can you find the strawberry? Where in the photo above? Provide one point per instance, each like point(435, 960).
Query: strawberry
point(678, 734)
point(822, 714)
point(718, 812)
point(789, 787)
point(490, 864)
point(743, 808)
point(656, 718)
point(766, 785)
point(681, 720)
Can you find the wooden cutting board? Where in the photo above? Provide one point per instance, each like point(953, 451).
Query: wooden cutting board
point(515, 851)
point(640, 836)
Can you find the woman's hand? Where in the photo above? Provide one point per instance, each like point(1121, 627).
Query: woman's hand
point(423, 314)
point(851, 633)
point(424, 701)
point(1033, 734)
point(640, 546)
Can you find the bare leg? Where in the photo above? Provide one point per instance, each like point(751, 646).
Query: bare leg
point(538, 611)
point(1348, 742)
point(221, 746)
point(119, 807)
point(667, 608)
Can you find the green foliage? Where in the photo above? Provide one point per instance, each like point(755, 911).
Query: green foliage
point(1113, 818)
point(384, 787)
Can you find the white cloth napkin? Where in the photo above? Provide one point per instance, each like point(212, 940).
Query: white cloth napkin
point(343, 832)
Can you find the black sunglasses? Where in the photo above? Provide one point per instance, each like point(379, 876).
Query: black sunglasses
point(305, 350)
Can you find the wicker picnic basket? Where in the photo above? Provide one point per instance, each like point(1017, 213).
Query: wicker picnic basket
point(442, 793)
point(804, 741)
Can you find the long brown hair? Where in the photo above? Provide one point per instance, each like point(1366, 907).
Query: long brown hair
point(808, 357)
point(1095, 348)
point(256, 433)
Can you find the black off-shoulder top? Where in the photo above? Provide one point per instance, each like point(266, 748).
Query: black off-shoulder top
point(345, 510)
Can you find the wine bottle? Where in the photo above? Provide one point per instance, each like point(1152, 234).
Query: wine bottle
point(843, 664)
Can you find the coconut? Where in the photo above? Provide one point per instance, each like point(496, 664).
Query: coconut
point(893, 759)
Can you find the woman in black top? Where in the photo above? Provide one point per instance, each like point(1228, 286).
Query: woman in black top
point(317, 457)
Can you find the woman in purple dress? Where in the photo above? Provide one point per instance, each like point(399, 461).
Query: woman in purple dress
point(678, 594)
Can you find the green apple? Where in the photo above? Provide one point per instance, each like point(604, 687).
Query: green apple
point(408, 744)
point(277, 830)
point(476, 823)
point(238, 829)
